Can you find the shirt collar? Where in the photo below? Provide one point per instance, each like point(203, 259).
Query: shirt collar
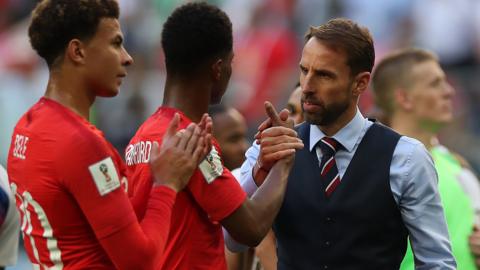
point(347, 136)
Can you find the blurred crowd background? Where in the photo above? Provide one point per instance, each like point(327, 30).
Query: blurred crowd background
point(268, 38)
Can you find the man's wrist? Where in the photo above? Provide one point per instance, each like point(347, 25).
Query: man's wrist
point(259, 174)
point(167, 185)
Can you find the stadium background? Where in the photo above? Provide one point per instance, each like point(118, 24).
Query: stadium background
point(268, 37)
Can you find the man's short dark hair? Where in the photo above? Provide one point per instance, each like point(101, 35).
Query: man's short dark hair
point(356, 41)
point(56, 22)
point(395, 71)
point(195, 34)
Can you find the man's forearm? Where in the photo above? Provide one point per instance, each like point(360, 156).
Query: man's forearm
point(251, 222)
point(268, 199)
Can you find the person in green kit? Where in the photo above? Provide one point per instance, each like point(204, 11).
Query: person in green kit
point(415, 99)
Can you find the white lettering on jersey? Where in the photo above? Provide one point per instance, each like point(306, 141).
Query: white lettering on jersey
point(105, 176)
point(54, 253)
point(20, 146)
point(211, 167)
point(138, 153)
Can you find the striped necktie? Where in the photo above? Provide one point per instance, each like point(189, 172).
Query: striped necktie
point(329, 171)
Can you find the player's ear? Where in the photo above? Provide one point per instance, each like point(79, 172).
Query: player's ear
point(403, 99)
point(216, 69)
point(75, 51)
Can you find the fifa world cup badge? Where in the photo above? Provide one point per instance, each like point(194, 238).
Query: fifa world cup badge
point(105, 176)
point(211, 167)
point(209, 159)
point(104, 169)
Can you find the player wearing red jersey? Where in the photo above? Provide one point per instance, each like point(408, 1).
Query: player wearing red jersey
point(197, 41)
point(68, 180)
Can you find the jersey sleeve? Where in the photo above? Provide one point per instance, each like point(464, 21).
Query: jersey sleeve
point(93, 178)
point(140, 185)
point(214, 187)
point(89, 172)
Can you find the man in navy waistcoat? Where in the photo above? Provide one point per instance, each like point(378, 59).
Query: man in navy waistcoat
point(358, 190)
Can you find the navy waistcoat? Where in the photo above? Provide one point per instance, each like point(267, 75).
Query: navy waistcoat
point(358, 227)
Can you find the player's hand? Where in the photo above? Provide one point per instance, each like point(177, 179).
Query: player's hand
point(205, 126)
point(277, 143)
point(274, 119)
point(277, 138)
point(174, 162)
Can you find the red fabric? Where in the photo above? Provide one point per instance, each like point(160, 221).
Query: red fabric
point(140, 247)
point(67, 221)
point(195, 240)
point(265, 57)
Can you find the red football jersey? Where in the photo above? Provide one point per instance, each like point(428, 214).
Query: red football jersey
point(195, 240)
point(69, 186)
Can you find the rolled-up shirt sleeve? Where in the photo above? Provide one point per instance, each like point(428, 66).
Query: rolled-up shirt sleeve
point(414, 184)
point(246, 171)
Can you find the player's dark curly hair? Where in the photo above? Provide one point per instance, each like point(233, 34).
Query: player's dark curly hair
point(56, 22)
point(193, 35)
